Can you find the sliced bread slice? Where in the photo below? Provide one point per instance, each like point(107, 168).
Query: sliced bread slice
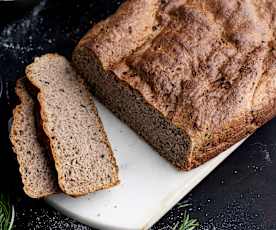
point(83, 157)
point(36, 167)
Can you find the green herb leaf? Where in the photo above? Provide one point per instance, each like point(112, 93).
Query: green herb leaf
point(183, 205)
point(188, 223)
point(5, 212)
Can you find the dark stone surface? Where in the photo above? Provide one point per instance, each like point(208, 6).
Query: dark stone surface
point(239, 194)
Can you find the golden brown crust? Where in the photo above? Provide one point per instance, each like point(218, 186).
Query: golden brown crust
point(207, 65)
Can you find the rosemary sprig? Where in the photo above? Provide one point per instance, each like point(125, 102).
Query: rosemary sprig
point(188, 223)
point(5, 212)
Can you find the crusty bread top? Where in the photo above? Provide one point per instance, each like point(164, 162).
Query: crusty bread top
point(209, 66)
point(83, 157)
point(36, 167)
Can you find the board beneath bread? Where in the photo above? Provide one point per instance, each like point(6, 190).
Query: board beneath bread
point(149, 187)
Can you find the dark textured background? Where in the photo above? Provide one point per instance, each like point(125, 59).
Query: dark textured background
point(239, 194)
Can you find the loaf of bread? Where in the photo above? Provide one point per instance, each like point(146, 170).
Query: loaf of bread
point(35, 164)
point(83, 157)
point(191, 77)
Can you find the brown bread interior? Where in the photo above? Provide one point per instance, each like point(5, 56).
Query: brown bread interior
point(35, 164)
point(82, 154)
point(171, 142)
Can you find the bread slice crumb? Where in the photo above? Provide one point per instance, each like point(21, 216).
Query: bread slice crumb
point(83, 157)
point(36, 167)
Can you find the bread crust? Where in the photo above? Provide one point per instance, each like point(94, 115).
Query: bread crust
point(207, 66)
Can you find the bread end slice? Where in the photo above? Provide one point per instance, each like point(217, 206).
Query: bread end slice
point(37, 170)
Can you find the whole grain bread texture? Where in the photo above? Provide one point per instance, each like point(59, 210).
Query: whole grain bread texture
point(83, 157)
point(35, 164)
point(191, 77)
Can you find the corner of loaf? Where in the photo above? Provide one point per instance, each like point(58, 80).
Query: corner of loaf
point(185, 77)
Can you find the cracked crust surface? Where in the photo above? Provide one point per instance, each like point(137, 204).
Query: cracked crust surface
point(208, 66)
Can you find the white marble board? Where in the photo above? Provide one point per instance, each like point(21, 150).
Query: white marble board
point(149, 186)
